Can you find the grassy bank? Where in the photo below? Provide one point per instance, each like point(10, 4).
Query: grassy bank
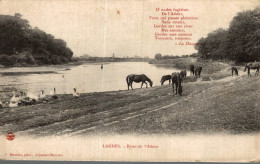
point(217, 105)
point(210, 70)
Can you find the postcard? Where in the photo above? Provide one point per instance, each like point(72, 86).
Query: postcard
point(134, 80)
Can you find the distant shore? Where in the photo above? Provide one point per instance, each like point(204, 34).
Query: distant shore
point(80, 61)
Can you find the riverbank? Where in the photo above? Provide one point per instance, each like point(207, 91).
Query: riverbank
point(210, 70)
point(216, 105)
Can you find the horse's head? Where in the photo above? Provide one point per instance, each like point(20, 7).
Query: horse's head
point(151, 83)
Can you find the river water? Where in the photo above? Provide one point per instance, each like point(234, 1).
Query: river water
point(86, 77)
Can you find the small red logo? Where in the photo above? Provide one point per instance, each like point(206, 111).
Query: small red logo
point(10, 136)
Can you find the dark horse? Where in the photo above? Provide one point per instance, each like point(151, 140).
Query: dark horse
point(234, 69)
point(176, 80)
point(197, 71)
point(252, 65)
point(138, 78)
point(183, 73)
point(165, 78)
point(192, 69)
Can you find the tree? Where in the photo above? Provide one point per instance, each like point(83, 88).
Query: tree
point(240, 43)
point(18, 37)
point(243, 36)
point(213, 46)
point(158, 56)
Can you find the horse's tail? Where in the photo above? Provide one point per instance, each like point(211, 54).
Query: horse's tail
point(127, 80)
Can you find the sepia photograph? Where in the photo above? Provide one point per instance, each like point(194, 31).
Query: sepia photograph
point(134, 80)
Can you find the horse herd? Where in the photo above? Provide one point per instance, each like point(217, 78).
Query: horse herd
point(175, 77)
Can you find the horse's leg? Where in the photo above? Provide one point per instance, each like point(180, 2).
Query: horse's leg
point(142, 84)
point(131, 85)
point(173, 88)
point(232, 72)
point(146, 84)
point(248, 72)
point(176, 89)
point(169, 81)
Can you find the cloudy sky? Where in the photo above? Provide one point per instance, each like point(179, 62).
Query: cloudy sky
point(104, 27)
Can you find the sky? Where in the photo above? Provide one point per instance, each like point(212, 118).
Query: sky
point(122, 28)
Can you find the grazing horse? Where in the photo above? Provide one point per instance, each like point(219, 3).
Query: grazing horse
point(138, 78)
point(183, 73)
point(252, 65)
point(234, 69)
point(192, 69)
point(165, 78)
point(197, 71)
point(176, 80)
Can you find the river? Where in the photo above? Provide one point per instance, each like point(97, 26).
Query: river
point(85, 78)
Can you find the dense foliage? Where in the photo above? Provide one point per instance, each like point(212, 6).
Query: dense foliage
point(240, 42)
point(20, 44)
point(159, 56)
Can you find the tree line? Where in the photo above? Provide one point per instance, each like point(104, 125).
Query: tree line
point(159, 56)
point(239, 43)
point(20, 44)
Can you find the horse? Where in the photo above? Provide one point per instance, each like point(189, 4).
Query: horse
point(234, 69)
point(192, 69)
point(252, 65)
point(176, 80)
point(183, 73)
point(138, 78)
point(197, 71)
point(165, 78)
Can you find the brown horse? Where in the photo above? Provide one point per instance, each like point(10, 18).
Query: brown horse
point(138, 78)
point(197, 71)
point(165, 78)
point(252, 65)
point(234, 69)
point(176, 80)
point(192, 69)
